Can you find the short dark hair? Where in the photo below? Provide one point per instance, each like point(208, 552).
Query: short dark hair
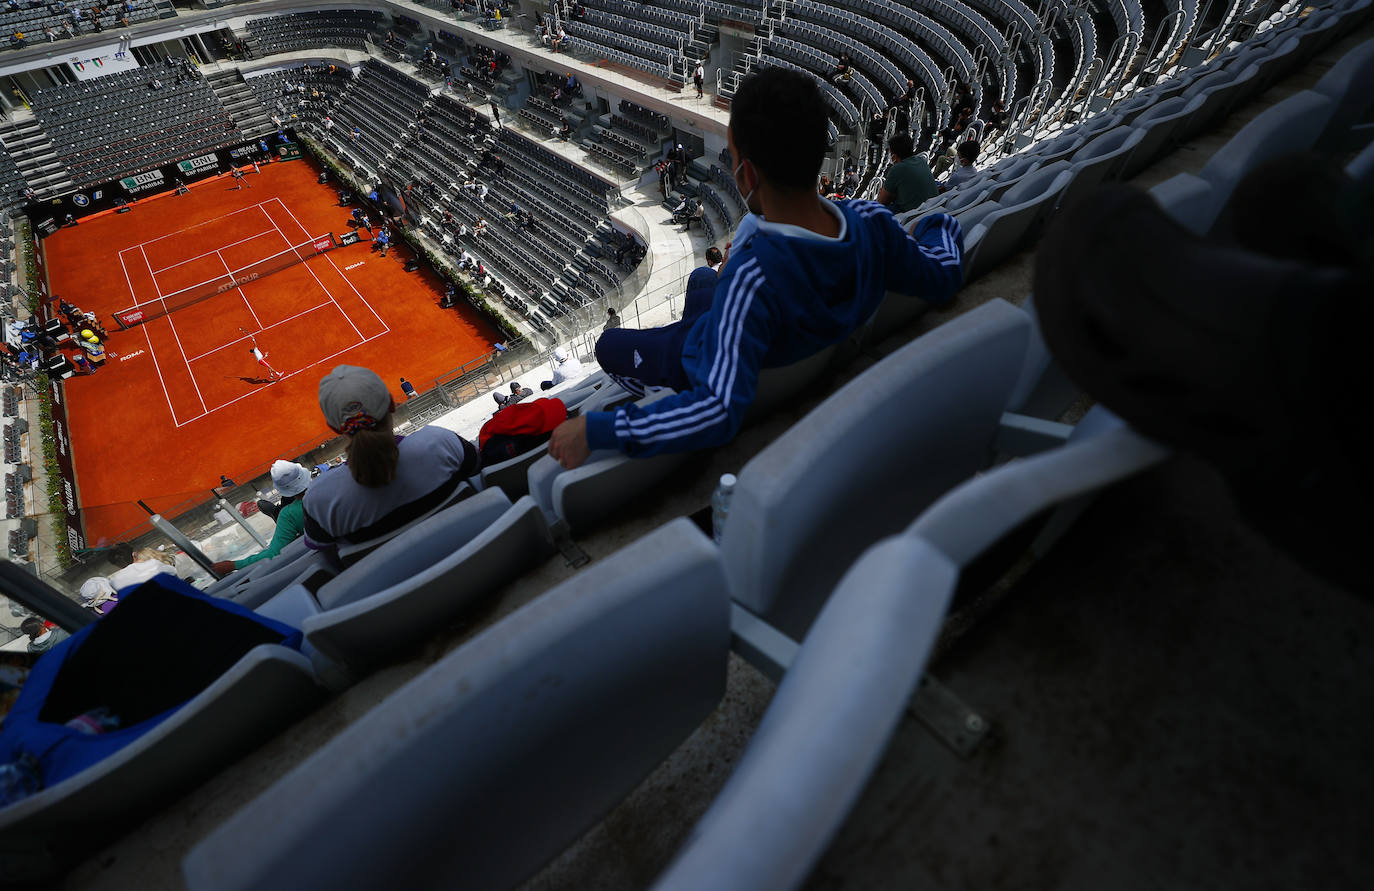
point(901, 145)
point(713, 255)
point(121, 555)
point(969, 150)
point(779, 123)
point(32, 626)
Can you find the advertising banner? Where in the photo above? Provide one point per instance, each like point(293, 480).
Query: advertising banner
point(71, 512)
point(49, 216)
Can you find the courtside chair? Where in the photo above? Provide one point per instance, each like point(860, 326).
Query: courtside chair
point(491, 762)
point(414, 583)
point(867, 460)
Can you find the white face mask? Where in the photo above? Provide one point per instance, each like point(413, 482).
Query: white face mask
point(734, 174)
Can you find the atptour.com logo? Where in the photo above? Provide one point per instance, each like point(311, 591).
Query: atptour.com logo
point(69, 497)
point(61, 436)
point(235, 282)
point(74, 540)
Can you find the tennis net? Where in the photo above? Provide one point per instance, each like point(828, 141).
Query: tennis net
point(236, 278)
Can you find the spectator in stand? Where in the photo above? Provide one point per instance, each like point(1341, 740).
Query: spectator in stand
point(968, 154)
point(42, 635)
point(843, 69)
point(406, 386)
point(877, 126)
point(612, 319)
point(698, 78)
point(559, 38)
point(806, 275)
point(392, 480)
point(909, 182)
point(564, 129)
point(290, 480)
point(479, 227)
point(495, 113)
point(701, 284)
point(997, 117)
point(565, 368)
point(136, 567)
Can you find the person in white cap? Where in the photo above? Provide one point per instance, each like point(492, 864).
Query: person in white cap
point(291, 480)
point(565, 368)
point(392, 480)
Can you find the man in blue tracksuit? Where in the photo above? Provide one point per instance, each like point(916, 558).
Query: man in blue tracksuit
point(803, 273)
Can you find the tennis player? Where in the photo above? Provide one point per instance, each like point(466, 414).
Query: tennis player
point(261, 357)
point(238, 176)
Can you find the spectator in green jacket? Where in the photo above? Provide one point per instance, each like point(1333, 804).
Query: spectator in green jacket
point(291, 480)
point(909, 182)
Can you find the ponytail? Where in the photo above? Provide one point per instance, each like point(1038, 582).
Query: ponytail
point(373, 455)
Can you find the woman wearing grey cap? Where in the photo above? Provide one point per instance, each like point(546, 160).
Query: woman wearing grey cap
point(392, 480)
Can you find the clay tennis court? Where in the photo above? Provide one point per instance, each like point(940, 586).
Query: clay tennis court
point(183, 399)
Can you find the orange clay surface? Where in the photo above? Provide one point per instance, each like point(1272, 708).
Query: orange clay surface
point(182, 399)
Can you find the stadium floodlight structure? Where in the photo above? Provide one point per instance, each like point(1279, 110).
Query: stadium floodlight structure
point(165, 304)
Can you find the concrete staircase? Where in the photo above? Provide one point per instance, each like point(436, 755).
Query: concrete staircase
point(243, 105)
point(36, 158)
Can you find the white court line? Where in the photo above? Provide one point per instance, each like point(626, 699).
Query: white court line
point(240, 290)
point(215, 251)
point(260, 330)
point(385, 326)
point(312, 272)
point(194, 383)
point(290, 374)
point(148, 340)
point(158, 368)
point(202, 223)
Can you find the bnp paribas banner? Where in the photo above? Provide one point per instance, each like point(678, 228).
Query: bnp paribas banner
point(49, 216)
point(101, 61)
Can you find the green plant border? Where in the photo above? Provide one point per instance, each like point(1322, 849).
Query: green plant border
point(57, 510)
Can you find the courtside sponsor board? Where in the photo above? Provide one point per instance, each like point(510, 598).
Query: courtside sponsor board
point(129, 317)
point(71, 513)
point(192, 166)
point(142, 182)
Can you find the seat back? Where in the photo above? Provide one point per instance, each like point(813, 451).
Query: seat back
point(523, 737)
point(419, 547)
point(1350, 85)
point(1157, 126)
point(351, 552)
point(867, 460)
point(1099, 161)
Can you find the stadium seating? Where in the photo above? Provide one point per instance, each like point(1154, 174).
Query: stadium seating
point(120, 123)
point(418, 581)
point(326, 27)
point(266, 689)
point(43, 23)
point(558, 711)
point(850, 680)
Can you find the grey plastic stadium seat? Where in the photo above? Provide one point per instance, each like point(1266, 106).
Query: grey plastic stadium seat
point(826, 728)
point(609, 480)
point(1005, 175)
point(866, 461)
point(997, 235)
point(1157, 126)
point(512, 476)
point(1099, 161)
point(1350, 85)
point(352, 552)
point(1101, 451)
point(1361, 167)
point(1060, 147)
point(266, 689)
point(1042, 389)
point(312, 567)
point(1292, 125)
point(524, 737)
point(850, 682)
point(415, 582)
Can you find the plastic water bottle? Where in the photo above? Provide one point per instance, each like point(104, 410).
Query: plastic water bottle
point(720, 504)
point(95, 722)
point(19, 779)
